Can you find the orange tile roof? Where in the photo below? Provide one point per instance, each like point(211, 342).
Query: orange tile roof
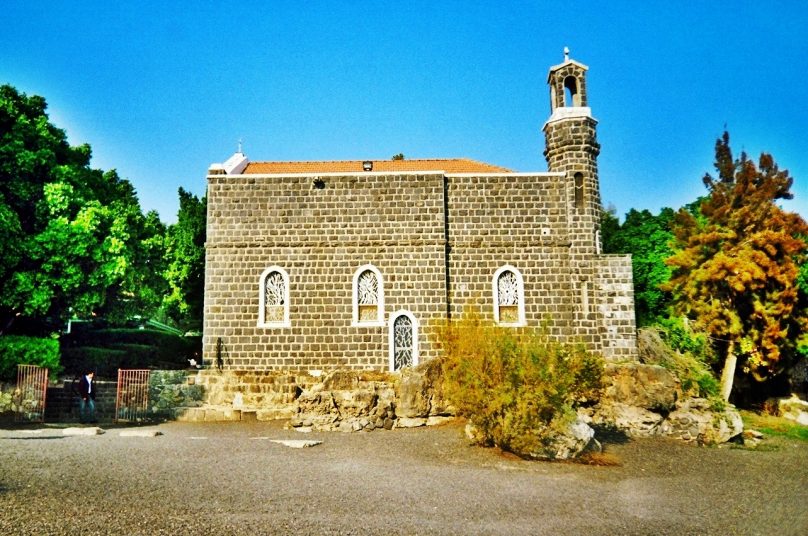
point(448, 165)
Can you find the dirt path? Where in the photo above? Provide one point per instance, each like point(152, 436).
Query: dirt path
point(231, 479)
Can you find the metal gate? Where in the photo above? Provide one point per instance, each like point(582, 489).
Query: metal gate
point(29, 398)
point(132, 400)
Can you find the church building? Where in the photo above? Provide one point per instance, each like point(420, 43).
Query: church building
point(315, 266)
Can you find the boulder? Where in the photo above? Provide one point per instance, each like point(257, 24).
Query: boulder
point(633, 421)
point(695, 420)
point(650, 387)
point(365, 406)
point(573, 440)
point(569, 443)
point(793, 409)
point(419, 392)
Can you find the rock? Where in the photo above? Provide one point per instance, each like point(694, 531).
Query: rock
point(646, 386)
point(474, 434)
point(752, 434)
point(438, 420)
point(652, 350)
point(410, 422)
point(340, 380)
point(76, 431)
point(695, 420)
point(793, 409)
point(140, 433)
point(570, 443)
point(631, 420)
point(297, 443)
point(419, 392)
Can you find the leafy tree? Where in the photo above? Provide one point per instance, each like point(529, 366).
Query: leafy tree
point(70, 233)
point(399, 156)
point(185, 262)
point(736, 266)
point(647, 238)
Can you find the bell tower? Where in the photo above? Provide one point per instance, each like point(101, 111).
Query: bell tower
point(571, 147)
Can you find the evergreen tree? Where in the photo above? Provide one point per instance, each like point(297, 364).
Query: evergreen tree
point(736, 266)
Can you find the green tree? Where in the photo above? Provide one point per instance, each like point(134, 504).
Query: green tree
point(185, 262)
point(647, 238)
point(736, 266)
point(69, 232)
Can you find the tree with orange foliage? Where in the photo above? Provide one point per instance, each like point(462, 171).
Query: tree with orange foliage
point(736, 266)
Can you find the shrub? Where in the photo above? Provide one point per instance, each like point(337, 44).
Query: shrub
point(689, 358)
point(106, 350)
point(20, 350)
point(103, 361)
point(514, 384)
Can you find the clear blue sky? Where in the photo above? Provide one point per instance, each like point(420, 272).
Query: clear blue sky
point(162, 89)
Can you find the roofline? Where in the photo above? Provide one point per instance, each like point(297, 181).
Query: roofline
point(386, 173)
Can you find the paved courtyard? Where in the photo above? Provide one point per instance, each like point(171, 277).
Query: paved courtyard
point(232, 478)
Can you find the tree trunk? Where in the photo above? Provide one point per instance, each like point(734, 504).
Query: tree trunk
point(728, 374)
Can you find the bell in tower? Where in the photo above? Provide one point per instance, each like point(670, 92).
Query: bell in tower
point(571, 147)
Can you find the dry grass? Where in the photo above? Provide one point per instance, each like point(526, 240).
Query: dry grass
point(601, 459)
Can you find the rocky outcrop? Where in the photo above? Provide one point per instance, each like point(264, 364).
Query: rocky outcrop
point(793, 409)
point(419, 393)
point(696, 420)
point(346, 402)
point(641, 400)
point(574, 439)
point(351, 401)
point(633, 421)
point(644, 386)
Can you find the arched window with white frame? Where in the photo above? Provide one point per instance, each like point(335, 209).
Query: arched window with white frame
point(273, 298)
point(403, 340)
point(509, 297)
point(368, 296)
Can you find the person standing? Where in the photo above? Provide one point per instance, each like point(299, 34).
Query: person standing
point(87, 398)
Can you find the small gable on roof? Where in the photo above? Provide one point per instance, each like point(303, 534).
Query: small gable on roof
point(446, 165)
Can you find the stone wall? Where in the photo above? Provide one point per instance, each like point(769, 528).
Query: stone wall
point(320, 236)
point(436, 240)
point(614, 285)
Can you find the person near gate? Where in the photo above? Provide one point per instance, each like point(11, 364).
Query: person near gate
point(87, 398)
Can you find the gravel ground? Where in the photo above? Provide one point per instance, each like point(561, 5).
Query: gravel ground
point(229, 478)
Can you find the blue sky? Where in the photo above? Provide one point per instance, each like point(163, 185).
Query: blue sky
point(160, 90)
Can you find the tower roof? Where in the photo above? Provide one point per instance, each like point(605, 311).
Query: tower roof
point(567, 61)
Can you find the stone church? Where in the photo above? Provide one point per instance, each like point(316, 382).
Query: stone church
point(314, 266)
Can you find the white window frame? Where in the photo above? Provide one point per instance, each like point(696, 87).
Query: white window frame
point(262, 321)
point(521, 292)
point(355, 298)
point(392, 336)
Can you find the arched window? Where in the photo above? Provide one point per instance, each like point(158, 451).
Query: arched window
point(273, 298)
point(509, 297)
point(403, 340)
point(368, 297)
point(573, 98)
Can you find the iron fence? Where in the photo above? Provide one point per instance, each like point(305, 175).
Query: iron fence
point(29, 398)
point(132, 399)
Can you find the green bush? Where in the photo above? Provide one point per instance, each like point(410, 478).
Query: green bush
point(689, 358)
point(19, 350)
point(514, 383)
point(106, 350)
point(103, 361)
